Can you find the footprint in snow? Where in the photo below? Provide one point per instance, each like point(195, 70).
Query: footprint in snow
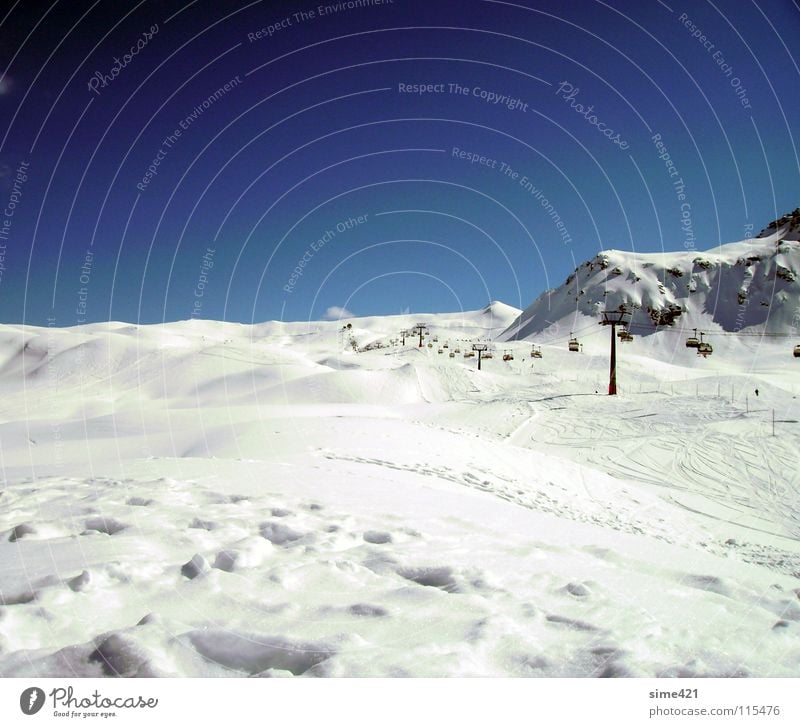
point(571, 623)
point(17, 598)
point(577, 589)
point(367, 609)
point(107, 525)
point(246, 553)
point(80, 582)
point(436, 577)
point(377, 537)
point(254, 654)
point(139, 501)
point(199, 524)
point(20, 531)
point(279, 534)
point(706, 583)
point(195, 567)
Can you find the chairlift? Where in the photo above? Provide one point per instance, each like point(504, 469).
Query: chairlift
point(797, 351)
point(536, 352)
point(625, 337)
point(704, 349)
point(441, 350)
point(446, 345)
point(457, 350)
point(469, 354)
point(573, 343)
point(486, 354)
point(430, 345)
point(452, 354)
point(508, 356)
point(692, 341)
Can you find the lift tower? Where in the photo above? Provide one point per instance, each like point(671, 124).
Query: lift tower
point(421, 329)
point(614, 318)
point(480, 348)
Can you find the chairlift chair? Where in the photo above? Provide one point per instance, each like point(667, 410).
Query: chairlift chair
point(452, 354)
point(797, 351)
point(704, 349)
point(573, 344)
point(537, 352)
point(508, 356)
point(692, 341)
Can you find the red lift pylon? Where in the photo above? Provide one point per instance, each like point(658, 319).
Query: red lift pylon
point(614, 318)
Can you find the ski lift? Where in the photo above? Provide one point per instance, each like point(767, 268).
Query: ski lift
point(469, 354)
point(457, 350)
point(446, 345)
point(797, 351)
point(508, 356)
point(536, 352)
point(452, 354)
point(430, 345)
point(436, 339)
point(441, 350)
point(692, 341)
point(573, 343)
point(704, 349)
point(486, 354)
point(625, 337)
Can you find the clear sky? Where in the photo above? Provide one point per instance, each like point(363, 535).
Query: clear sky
point(162, 160)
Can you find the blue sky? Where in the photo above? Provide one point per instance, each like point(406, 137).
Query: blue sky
point(312, 172)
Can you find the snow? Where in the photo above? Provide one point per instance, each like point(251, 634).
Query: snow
point(753, 285)
point(211, 499)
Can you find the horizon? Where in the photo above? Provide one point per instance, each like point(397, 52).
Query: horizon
point(335, 314)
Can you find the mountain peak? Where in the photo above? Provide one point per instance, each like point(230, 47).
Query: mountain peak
point(498, 309)
point(733, 286)
point(786, 227)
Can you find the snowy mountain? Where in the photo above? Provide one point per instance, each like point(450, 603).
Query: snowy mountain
point(313, 499)
point(215, 358)
point(753, 284)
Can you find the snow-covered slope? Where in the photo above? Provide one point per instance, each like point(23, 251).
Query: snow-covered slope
point(754, 284)
point(212, 499)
